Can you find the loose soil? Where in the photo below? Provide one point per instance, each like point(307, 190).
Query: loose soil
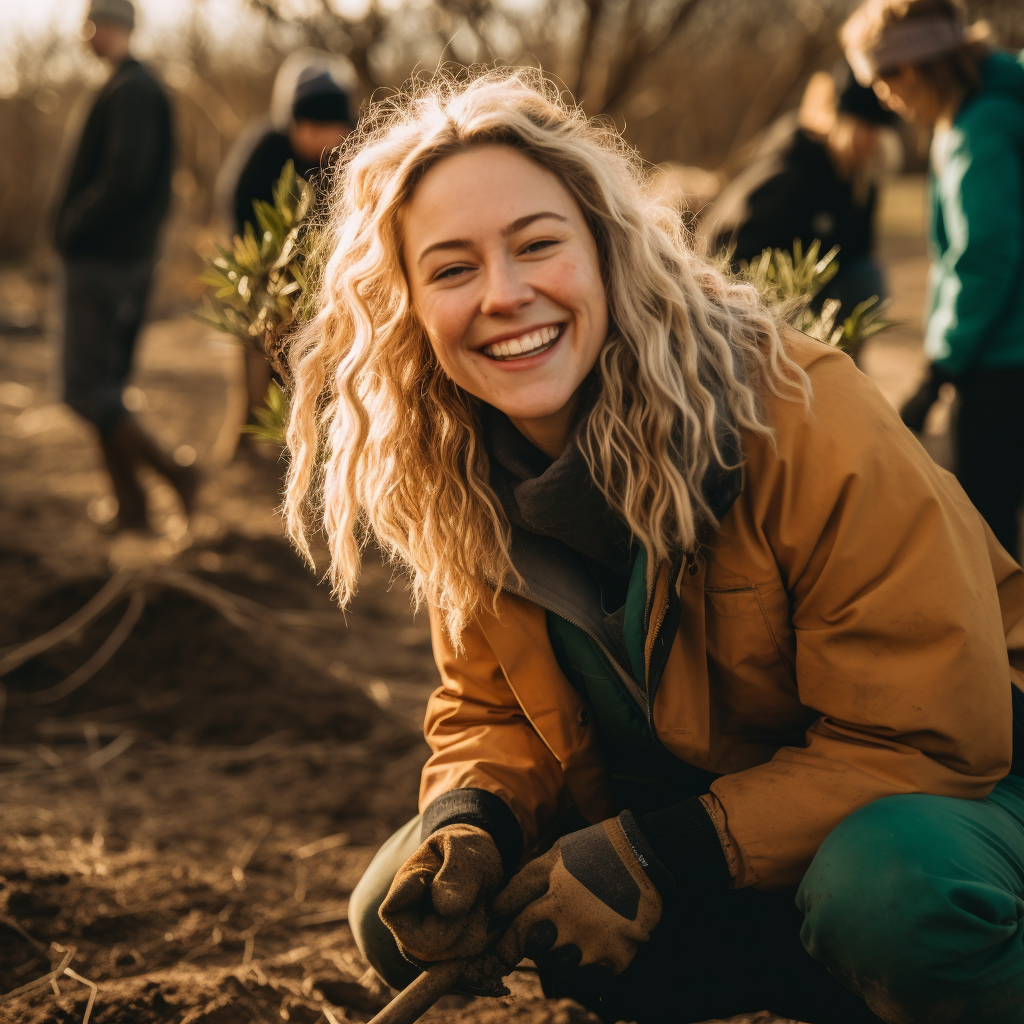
point(186, 824)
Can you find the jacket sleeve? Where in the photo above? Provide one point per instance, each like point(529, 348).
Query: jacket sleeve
point(480, 737)
point(980, 192)
point(127, 167)
point(899, 636)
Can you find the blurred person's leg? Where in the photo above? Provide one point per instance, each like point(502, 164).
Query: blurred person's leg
point(95, 367)
point(135, 446)
point(990, 447)
point(104, 308)
point(94, 364)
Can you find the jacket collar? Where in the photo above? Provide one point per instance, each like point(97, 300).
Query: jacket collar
point(550, 511)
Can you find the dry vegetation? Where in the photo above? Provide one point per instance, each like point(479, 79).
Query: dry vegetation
point(691, 81)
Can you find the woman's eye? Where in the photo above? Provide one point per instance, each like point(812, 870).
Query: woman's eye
point(450, 272)
point(542, 243)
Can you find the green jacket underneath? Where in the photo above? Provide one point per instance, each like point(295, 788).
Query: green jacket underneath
point(975, 307)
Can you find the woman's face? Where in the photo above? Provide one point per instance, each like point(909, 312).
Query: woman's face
point(908, 94)
point(504, 276)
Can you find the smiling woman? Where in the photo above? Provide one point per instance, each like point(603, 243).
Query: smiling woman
point(707, 617)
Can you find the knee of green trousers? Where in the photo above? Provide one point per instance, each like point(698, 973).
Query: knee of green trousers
point(915, 902)
point(372, 937)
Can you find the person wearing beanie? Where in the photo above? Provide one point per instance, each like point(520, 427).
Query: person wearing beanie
point(814, 177)
point(927, 64)
point(320, 120)
point(107, 229)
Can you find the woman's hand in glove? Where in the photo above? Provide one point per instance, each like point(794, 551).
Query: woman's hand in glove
point(436, 905)
point(588, 900)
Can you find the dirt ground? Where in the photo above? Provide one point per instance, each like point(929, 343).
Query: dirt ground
point(182, 827)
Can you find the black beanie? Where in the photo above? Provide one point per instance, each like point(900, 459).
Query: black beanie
point(320, 98)
point(861, 101)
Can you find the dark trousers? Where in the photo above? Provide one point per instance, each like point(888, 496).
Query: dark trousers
point(103, 311)
point(990, 447)
point(737, 953)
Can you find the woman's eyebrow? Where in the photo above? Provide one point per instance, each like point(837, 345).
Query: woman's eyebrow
point(517, 225)
point(522, 222)
point(452, 243)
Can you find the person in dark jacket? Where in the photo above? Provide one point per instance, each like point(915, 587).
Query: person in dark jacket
point(929, 66)
point(320, 120)
point(107, 228)
point(814, 177)
point(319, 123)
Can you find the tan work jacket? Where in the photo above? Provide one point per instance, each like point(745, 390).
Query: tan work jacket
point(850, 632)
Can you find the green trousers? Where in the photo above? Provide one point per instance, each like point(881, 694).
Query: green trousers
point(912, 912)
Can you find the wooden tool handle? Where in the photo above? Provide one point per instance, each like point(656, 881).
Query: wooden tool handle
point(416, 998)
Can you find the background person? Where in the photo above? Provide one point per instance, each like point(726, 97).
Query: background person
point(107, 228)
point(705, 613)
point(320, 120)
point(815, 176)
point(931, 68)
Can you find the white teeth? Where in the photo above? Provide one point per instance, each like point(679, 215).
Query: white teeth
point(524, 344)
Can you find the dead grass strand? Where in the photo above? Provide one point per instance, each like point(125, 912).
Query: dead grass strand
point(41, 982)
point(107, 650)
point(109, 594)
point(93, 992)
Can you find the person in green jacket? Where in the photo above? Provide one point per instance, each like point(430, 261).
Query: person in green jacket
point(930, 67)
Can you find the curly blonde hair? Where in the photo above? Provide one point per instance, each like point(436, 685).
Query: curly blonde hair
point(382, 442)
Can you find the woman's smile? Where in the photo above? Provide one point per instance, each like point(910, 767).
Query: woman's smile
point(530, 343)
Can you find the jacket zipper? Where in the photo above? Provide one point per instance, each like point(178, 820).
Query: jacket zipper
point(640, 698)
point(627, 680)
point(675, 568)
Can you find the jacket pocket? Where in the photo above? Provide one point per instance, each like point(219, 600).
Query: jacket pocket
point(751, 663)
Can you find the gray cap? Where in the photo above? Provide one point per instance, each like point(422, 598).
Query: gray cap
point(122, 11)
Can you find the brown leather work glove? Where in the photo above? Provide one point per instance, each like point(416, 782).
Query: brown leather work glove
point(588, 900)
point(435, 907)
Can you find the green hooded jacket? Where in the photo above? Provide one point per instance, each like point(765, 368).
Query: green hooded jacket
point(975, 307)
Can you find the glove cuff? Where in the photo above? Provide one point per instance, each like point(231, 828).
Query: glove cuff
point(484, 810)
point(685, 842)
point(653, 867)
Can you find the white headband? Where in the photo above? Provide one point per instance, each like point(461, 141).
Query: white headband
point(907, 42)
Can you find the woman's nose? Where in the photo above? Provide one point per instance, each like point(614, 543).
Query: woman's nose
point(505, 289)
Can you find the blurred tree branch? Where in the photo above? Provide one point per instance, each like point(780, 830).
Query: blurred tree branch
point(640, 47)
point(618, 39)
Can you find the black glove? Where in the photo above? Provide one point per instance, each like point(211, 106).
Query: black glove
point(915, 409)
